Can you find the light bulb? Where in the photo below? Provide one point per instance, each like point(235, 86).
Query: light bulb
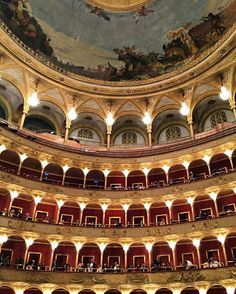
point(33, 99)
point(224, 93)
point(184, 110)
point(147, 118)
point(110, 119)
point(72, 114)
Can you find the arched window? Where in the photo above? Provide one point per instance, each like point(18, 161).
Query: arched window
point(129, 138)
point(217, 118)
point(85, 133)
point(173, 133)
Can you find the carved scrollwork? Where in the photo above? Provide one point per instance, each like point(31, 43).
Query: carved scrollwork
point(187, 277)
point(137, 279)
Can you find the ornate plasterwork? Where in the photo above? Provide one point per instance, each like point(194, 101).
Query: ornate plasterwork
point(164, 233)
point(201, 67)
point(123, 282)
point(119, 5)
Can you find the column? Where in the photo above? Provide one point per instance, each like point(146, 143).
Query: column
point(22, 120)
point(106, 173)
point(196, 243)
point(169, 205)
point(221, 239)
point(60, 203)
point(190, 202)
point(125, 207)
point(82, 207)
point(125, 248)
point(78, 246)
point(149, 131)
point(13, 194)
point(3, 239)
point(85, 171)
point(44, 163)
point(68, 125)
point(104, 208)
point(213, 196)
point(65, 169)
point(149, 249)
point(54, 245)
point(22, 158)
point(147, 207)
point(37, 200)
point(190, 124)
point(172, 246)
point(102, 247)
point(109, 129)
point(28, 243)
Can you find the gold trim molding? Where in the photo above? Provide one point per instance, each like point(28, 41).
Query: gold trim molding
point(119, 5)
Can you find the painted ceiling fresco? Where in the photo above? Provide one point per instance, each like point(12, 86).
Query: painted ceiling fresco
point(105, 45)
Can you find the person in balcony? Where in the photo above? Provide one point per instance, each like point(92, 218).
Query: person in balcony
point(143, 268)
point(12, 213)
point(116, 267)
point(28, 217)
point(188, 265)
point(92, 267)
point(4, 212)
point(156, 264)
point(213, 263)
point(162, 222)
point(4, 261)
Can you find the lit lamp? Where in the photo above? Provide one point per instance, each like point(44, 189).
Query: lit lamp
point(149, 249)
point(29, 242)
point(125, 207)
point(190, 201)
point(3, 239)
point(65, 169)
point(72, 114)
point(147, 120)
point(106, 173)
point(82, 206)
point(85, 171)
point(172, 245)
point(22, 158)
point(166, 169)
point(184, 110)
point(169, 205)
point(202, 291)
point(229, 153)
point(54, 245)
point(33, 99)
point(196, 243)
point(230, 290)
point(221, 238)
point(2, 148)
point(37, 200)
point(186, 165)
point(78, 246)
point(104, 208)
point(207, 159)
point(147, 207)
point(126, 173)
point(102, 247)
point(60, 203)
point(109, 122)
point(14, 195)
point(224, 93)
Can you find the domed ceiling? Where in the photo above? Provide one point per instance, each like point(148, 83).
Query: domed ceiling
point(119, 40)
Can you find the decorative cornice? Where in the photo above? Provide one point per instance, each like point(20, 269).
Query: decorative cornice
point(119, 5)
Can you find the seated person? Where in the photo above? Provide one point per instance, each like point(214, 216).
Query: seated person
point(144, 268)
point(156, 264)
point(28, 217)
point(92, 267)
point(129, 269)
point(187, 264)
point(4, 212)
point(12, 213)
point(42, 266)
point(4, 261)
point(162, 222)
point(213, 263)
point(117, 224)
point(116, 267)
